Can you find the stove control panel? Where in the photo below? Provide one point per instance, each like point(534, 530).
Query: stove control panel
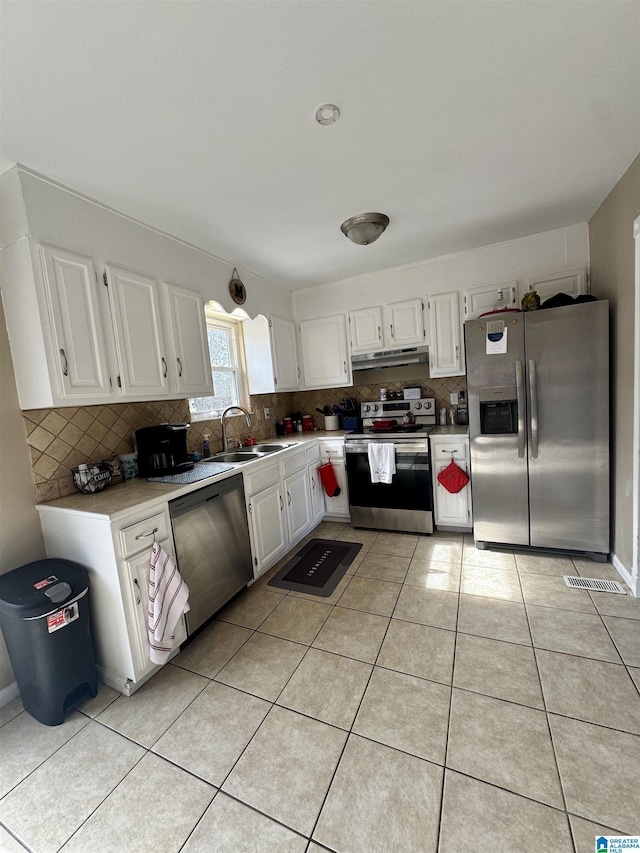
point(398, 408)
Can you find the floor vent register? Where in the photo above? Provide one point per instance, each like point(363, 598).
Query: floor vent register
point(594, 584)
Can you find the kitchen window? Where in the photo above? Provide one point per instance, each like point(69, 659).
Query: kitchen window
point(227, 368)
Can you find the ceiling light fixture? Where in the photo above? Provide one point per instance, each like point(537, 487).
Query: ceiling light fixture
point(365, 228)
point(327, 114)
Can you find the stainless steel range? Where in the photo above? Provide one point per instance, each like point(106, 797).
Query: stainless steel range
point(407, 502)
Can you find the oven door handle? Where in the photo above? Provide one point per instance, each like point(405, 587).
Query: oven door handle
point(401, 450)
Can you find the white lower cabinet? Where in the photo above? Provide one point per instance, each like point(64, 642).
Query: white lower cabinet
point(116, 556)
point(337, 508)
point(268, 527)
point(315, 483)
point(451, 511)
point(284, 502)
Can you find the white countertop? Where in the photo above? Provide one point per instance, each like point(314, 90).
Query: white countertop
point(456, 429)
point(140, 494)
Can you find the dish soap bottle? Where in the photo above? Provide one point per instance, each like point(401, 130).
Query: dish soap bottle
point(443, 416)
point(206, 446)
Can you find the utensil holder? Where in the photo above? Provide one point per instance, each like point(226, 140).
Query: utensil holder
point(331, 422)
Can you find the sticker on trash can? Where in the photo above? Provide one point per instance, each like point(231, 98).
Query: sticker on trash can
point(63, 617)
point(45, 582)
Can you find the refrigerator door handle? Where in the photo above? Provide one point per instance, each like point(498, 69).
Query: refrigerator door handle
point(533, 392)
point(520, 400)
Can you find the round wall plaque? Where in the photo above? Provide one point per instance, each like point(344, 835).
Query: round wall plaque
point(237, 289)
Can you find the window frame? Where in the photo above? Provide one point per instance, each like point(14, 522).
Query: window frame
point(216, 320)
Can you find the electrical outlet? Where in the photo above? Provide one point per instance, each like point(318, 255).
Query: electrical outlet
point(267, 413)
point(453, 398)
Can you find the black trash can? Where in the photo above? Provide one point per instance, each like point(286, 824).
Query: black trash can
point(44, 616)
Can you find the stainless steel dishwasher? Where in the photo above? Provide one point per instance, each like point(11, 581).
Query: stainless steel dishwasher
point(211, 535)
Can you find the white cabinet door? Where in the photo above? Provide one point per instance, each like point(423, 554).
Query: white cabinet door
point(267, 514)
point(317, 491)
point(135, 307)
point(478, 300)
point(338, 506)
point(366, 329)
point(80, 351)
point(406, 323)
point(298, 500)
point(572, 282)
point(285, 354)
point(137, 580)
point(325, 354)
point(451, 510)
point(446, 357)
point(192, 364)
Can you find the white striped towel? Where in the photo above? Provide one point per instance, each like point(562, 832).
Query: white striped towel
point(168, 600)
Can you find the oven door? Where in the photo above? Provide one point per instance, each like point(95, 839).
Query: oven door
point(411, 486)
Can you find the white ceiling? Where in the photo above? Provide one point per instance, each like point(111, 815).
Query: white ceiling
point(468, 123)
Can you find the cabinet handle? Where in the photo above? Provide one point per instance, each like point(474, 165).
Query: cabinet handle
point(449, 451)
point(281, 503)
point(379, 333)
point(392, 330)
point(457, 354)
point(250, 508)
point(313, 483)
point(164, 365)
point(345, 366)
point(146, 535)
point(65, 366)
point(179, 367)
point(138, 597)
point(288, 499)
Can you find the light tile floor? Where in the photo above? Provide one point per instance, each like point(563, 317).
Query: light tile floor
point(443, 699)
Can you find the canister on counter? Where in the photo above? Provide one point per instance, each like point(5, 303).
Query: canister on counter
point(307, 423)
point(288, 426)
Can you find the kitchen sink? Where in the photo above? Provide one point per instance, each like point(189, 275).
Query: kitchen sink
point(268, 448)
point(233, 456)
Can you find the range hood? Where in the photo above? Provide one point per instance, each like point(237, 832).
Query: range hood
point(390, 358)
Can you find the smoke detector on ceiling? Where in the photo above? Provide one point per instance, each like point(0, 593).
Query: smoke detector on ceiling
point(327, 114)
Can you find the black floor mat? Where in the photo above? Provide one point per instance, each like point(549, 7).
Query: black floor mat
point(318, 568)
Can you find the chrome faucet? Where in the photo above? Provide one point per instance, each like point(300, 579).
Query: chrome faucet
point(225, 440)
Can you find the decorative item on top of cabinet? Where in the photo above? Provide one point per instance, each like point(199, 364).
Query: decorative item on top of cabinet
point(572, 282)
point(397, 324)
point(446, 353)
point(325, 352)
point(480, 299)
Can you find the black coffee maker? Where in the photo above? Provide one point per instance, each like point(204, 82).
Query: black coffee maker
point(162, 450)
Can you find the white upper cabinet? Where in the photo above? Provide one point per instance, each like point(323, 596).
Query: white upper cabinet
point(140, 343)
point(366, 329)
point(479, 300)
point(406, 323)
point(572, 282)
point(191, 359)
point(80, 354)
point(446, 356)
point(393, 326)
point(325, 352)
point(285, 354)
point(271, 355)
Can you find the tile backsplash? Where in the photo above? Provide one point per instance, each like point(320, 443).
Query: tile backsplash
point(61, 439)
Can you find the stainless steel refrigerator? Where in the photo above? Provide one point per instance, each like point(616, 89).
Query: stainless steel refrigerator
point(538, 390)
